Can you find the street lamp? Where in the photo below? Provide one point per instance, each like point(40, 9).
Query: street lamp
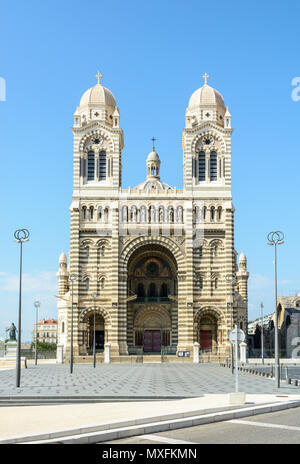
point(21, 236)
point(94, 296)
point(231, 280)
point(274, 239)
point(262, 333)
point(37, 304)
point(73, 278)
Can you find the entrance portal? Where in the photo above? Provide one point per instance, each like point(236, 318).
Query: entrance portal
point(152, 341)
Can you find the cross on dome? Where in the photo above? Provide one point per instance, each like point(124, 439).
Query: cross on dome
point(153, 140)
point(98, 76)
point(205, 77)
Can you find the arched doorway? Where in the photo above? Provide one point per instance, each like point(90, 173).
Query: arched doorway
point(87, 332)
point(208, 330)
point(152, 312)
point(152, 329)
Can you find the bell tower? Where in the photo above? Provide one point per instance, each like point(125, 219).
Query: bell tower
point(98, 140)
point(206, 141)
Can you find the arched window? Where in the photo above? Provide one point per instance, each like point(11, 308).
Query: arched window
point(62, 327)
point(106, 213)
point(102, 165)
point(212, 213)
point(152, 290)
point(99, 213)
point(84, 212)
point(213, 166)
point(201, 166)
point(201, 283)
point(204, 213)
point(219, 213)
point(164, 290)
point(91, 165)
point(91, 213)
point(140, 291)
point(102, 283)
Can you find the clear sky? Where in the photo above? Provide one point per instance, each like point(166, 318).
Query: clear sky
point(152, 56)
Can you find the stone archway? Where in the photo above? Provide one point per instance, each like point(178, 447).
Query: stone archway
point(152, 329)
point(86, 330)
point(208, 329)
point(152, 288)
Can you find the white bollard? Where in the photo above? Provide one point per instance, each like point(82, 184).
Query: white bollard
point(196, 352)
point(60, 354)
point(243, 352)
point(107, 353)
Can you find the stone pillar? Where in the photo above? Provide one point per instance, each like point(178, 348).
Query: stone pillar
point(60, 354)
point(107, 353)
point(243, 352)
point(196, 352)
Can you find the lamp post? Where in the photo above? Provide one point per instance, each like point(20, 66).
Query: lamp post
point(231, 280)
point(73, 278)
point(262, 333)
point(37, 304)
point(21, 236)
point(274, 239)
point(94, 296)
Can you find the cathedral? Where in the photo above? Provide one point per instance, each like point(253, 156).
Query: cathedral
point(154, 266)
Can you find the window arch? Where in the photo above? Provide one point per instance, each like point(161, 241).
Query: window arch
point(164, 290)
point(102, 165)
point(140, 290)
point(91, 166)
point(213, 166)
point(152, 290)
point(201, 166)
point(91, 213)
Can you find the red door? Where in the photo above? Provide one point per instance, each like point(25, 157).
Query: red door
point(205, 340)
point(152, 341)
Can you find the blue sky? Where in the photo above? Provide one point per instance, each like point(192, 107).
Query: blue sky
point(152, 56)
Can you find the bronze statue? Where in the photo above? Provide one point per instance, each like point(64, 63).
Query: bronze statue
point(12, 332)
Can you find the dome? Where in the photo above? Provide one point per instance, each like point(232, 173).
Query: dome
point(153, 156)
point(242, 258)
point(63, 258)
point(206, 96)
point(98, 95)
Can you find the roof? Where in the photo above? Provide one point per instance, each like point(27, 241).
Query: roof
point(47, 321)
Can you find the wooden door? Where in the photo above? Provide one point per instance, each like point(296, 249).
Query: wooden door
point(206, 340)
point(152, 341)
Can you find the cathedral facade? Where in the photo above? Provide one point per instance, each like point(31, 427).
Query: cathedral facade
point(154, 265)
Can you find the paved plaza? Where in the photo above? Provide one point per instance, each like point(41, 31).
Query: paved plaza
point(133, 382)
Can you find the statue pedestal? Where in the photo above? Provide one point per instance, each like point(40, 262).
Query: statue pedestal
point(11, 349)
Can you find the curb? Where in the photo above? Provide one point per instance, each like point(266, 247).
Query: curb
point(128, 428)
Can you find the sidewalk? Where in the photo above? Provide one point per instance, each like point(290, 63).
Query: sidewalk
point(27, 420)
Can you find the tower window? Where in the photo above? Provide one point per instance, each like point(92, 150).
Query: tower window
point(91, 165)
point(201, 166)
point(213, 166)
point(102, 165)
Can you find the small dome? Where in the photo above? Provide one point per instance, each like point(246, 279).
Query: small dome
point(242, 258)
point(153, 156)
point(98, 95)
point(206, 96)
point(63, 258)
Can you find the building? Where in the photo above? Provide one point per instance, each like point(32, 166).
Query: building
point(157, 264)
point(45, 331)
